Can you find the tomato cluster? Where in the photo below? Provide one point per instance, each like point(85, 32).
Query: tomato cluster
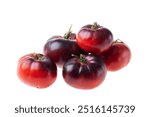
point(84, 57)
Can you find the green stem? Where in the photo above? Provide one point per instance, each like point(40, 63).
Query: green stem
point(68, 33)
point(82, 59)
point(94, 26)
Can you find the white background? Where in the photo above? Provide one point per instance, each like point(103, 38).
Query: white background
point(25, 26)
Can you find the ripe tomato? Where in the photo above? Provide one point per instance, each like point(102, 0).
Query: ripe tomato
point(60, 49)
point(117, 57)
point(94, 38)
point(86, 72)
point(37, 70)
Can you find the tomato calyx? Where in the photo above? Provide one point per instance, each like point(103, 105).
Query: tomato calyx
point(118, 41)
point(82, 58)
point(38, 57)
point(67, 35)
point(95, 26)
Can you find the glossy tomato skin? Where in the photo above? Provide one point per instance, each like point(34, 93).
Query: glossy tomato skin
point(117, 57)
point(84, 75)
point(37, 70)
point(60, 50)
point(94, 39)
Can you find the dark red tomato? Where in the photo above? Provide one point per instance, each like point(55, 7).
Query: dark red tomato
point(60, 49)
point(37, 70)
point(118, 56)
point(94, 38)
point(84, 72)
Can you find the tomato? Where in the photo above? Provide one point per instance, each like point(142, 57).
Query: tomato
point(60, 49)
point(84, 72)
point(37, 70)
point(118, 56)
point(94, 38)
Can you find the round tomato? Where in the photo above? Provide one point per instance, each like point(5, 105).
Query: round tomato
point(60, 49)
point(84, 72)
point(94, 38)
point(118, 56)
point(37, 70)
